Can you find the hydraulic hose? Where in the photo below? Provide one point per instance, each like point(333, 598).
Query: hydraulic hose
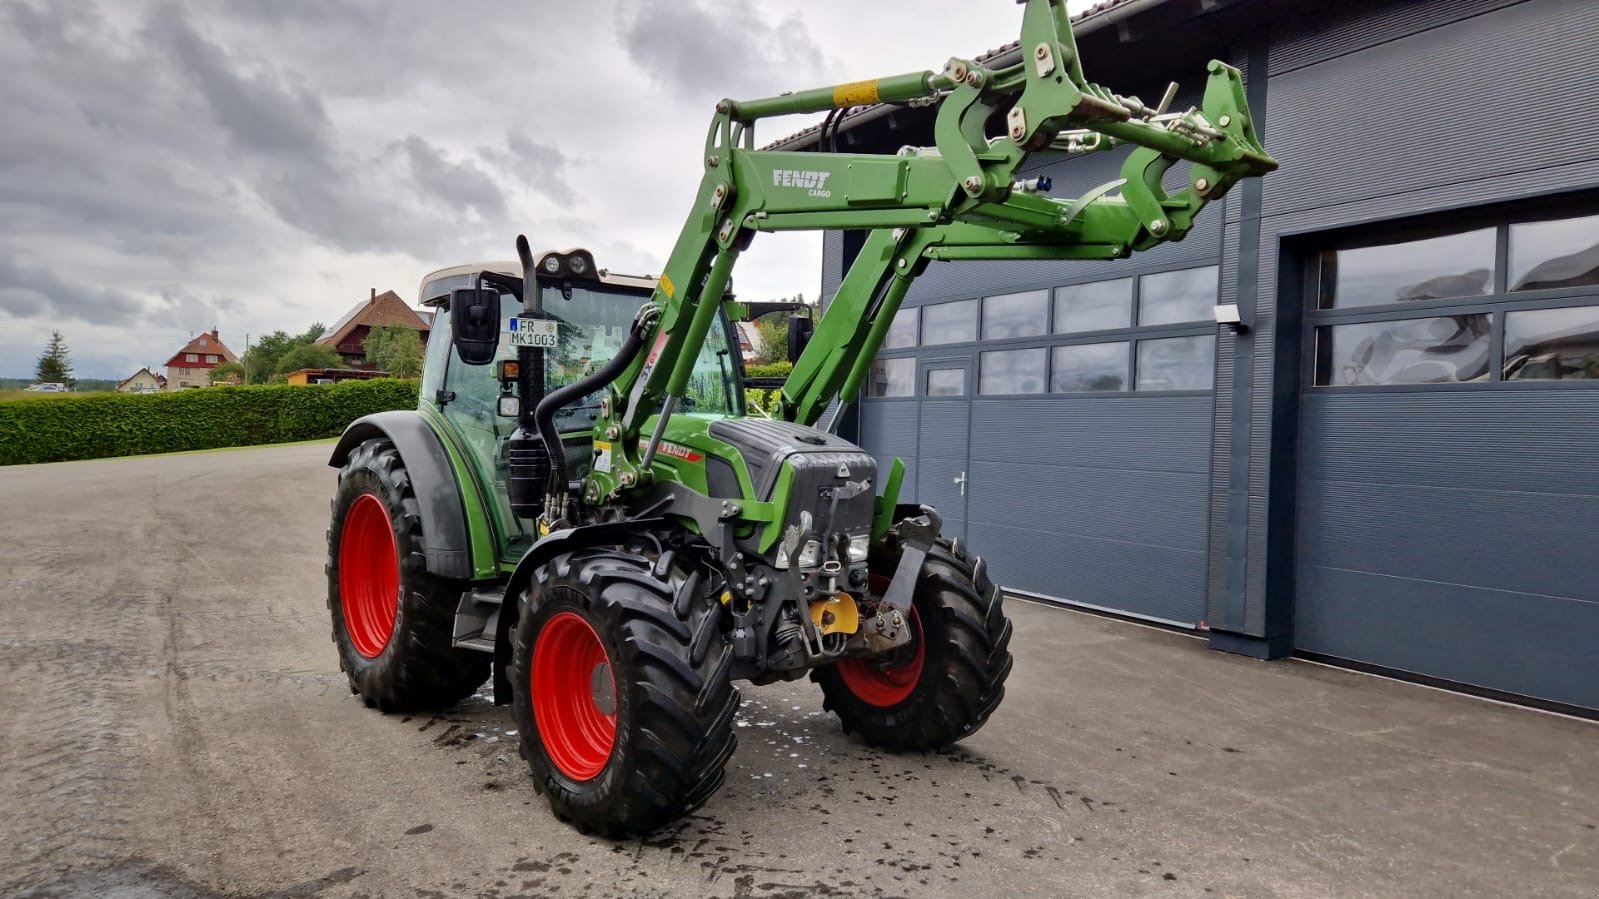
point(544, 415)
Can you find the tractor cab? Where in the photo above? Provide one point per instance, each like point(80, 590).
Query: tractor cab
point(593, 309)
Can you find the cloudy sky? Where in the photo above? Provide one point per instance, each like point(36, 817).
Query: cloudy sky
point(258, 166)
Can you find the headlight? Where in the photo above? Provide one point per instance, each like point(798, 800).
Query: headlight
point(579, 265)
point(552, 264)
point(807, 557)
point(859, 546)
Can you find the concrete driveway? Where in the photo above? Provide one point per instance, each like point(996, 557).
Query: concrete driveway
point(174, 724)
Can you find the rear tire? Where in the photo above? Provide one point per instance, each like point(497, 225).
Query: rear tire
point(624, 755)
point(948, 681)
point(393, 623)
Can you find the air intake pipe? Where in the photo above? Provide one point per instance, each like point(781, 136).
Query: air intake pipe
point(544, 415)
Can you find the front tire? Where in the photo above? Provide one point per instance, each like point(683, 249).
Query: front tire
point(623, 698)
point(393, 623)
point(946, 683)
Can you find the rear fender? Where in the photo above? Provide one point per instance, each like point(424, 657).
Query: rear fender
point(438, 494)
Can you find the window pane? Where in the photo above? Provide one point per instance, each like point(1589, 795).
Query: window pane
point(1457, 265)
point(901, 331)
point(1439, 350)
point(946, 382)
point(1177, 363)
point(1011, 371)
point(1545, 255)
point(1551, 344)
point(892, 377)
point(1086, 367)
point(1015, 314)
point(1171, 297)
point(1094, 307)
point(949, 322)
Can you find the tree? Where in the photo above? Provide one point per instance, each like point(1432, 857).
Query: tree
point(313, 333)
point(221, 374)
point(308, 355)
point(262, 359)
point(395, 349)
point(773, 332)
point(55, 366)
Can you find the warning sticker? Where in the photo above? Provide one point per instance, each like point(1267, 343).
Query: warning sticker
point(667, 287)
point(856, 93)
point(602, 456)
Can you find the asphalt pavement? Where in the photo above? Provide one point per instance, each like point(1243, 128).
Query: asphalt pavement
point(173, 723)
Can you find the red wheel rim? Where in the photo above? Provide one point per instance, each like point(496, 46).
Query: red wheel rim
point(369, 575)
point(574, 696)
point(888, 685)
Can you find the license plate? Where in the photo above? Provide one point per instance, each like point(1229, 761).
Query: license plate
point(539, 332)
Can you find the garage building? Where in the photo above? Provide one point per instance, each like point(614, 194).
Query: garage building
point(1395, 464)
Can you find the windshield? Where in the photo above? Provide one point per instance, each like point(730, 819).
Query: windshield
point(594, 322)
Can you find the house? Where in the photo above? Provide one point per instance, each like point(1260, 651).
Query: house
point(191, 366)
point(348, 334)
point(142, 381)
point(749, 341)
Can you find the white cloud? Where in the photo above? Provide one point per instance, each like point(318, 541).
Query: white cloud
point(259, 166)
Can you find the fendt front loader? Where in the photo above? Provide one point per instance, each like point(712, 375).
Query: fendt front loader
point(582, 508)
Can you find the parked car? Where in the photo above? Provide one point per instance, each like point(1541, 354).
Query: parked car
point(48, 387)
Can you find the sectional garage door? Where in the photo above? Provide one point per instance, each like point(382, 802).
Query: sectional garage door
point(1448, 504)
point(1064, 432)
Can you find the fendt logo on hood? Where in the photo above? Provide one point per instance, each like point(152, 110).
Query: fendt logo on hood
point(815, 181)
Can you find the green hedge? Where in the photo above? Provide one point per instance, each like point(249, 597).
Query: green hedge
point(57, 429)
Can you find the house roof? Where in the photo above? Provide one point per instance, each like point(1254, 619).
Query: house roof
point(203, 344)
point(1091, 19)
point(142, 371)
point(382, 309)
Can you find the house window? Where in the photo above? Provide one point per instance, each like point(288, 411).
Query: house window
point(949, 323)
point(1514, 302)
point(1169, 298)
point(1088, 367)
point(1177, 363)
point(892, 377)
point(211, 359)
point(1100, 306)
point(191, 357)
point(946, 382)
point(1016, 315)
point(1011, 371)
point(901, 331)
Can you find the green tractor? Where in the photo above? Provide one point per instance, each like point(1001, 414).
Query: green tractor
point(582, 508)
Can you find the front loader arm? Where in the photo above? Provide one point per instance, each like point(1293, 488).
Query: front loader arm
point(958, 200)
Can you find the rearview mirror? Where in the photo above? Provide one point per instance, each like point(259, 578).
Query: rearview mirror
point(800, 330)
point(475, 324)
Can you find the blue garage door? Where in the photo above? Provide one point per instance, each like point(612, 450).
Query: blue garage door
point(1449, 479)
point(1064, 432)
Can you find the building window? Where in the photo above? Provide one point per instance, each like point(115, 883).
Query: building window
point(949, 323)
point(191, 357)
point(892, 377)
point(1011, 371)
point(1502, 303)
point(1552, 344)
point(946, 382)
point(1551, 255)
point(1088, 367)
point(211, 359)
point(1170, 298)
point(1438, 350)
point(1016, 315)
point(901, 331)
point(1100, 306)
point(1177, 363)
point(1455, 265)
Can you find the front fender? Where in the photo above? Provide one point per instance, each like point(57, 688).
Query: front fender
point(438, 494)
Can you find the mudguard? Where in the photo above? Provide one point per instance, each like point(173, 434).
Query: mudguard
point(610, 533)
point(438, 494)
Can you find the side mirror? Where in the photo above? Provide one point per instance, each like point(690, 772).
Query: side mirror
point(800, 331)
point(475, 324)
